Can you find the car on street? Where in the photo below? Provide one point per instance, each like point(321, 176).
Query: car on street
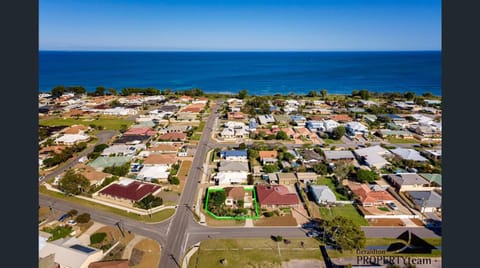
point(392, 205)
point(72, 222)
point(313, 234)
point(63, 217)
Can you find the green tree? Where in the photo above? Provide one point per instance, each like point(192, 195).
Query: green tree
point(72, 212)
point(97, 238)
point(149, 202)
point(57, 91)
point(338, 132)
point(83, 218)
point(364, 94)
point(242, 94)
point(282, 135)
point(99, 91)
point(409, 95)
point(100, 147)
point(323, 93)
point(242, 146)
point(173, 180)
point(73, 183)
point(367, 176)
point(288, 156)
point(321, 168)
point(270, 168)
point(345, 233)
point(217, 199)
point(342, 169)
point(123, 128)
point(76, 89)
point(312, 93)
point(118, 170)
point(112, 91)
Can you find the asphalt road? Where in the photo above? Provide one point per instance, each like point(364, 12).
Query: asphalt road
point(176, 245)
point(103, 137)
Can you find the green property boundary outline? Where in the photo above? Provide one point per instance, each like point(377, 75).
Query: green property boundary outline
point(246, 188)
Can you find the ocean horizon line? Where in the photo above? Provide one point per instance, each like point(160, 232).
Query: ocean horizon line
point(244, 51)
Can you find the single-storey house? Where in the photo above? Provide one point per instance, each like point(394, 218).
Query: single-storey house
point(373, 156)
point(286, 178)
point(306, 176)
point(132, 139)
point(72, 139)
point(408, 182)
point(227, 178)
point(268, 157)
point(276, 196)
point(234, 155)
point(67, 252)
point(175, 136)
point(158, 172)
point(340, 155)
point(369, 195)
point(408, 154)
point(232, 166)
point(425, 201)
point(127, 191)
point(235, 194)
point(356, 129)
point(161, 159)
point(322, 194)
point(311, 157)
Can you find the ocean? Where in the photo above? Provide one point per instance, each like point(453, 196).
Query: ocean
point(261, 73)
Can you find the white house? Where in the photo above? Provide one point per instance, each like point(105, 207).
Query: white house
point(71, 139)
point(356, 129)
point(373, 156)
point(159, 172)
point(227, 178)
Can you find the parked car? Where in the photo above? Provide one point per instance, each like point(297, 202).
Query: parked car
point(72, 222)
point(392, 205)
point(313, 234)
point(63, 217)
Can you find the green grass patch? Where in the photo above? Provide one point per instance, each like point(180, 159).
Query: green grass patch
point(400, 140)
point(105, 122)
point(347, 211)
point(253, 252)
point(196, 136)
point(97, 238)
point(329, 182)
point(58, 232)
point(201, 126)
point(155, 217)
point(383, 209)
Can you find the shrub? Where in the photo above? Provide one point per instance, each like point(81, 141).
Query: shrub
point(268, 214)
point(83, 218)
point(97, 238)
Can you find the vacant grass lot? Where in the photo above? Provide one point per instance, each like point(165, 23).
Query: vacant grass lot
point(347, 211)
point(196, 136)
point(400, 140)
point(253, 252)
point(156, 217)
point(106, 122)
point(151, 253)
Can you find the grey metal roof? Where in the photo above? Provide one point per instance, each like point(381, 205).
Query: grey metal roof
point(426, 198)
point(334, 155)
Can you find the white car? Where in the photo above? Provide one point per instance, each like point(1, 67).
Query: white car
point(71, 222)
point(392, 205)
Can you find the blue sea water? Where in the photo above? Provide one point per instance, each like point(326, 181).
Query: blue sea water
point(261, 73)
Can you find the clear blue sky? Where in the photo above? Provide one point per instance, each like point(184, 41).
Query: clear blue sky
point(323, 25)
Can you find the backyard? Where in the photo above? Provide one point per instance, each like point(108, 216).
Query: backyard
point(328, 181)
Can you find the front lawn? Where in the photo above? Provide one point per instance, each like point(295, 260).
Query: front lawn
point(58, 232)
point(347, 211)
point(400, 140)
point(196, 136)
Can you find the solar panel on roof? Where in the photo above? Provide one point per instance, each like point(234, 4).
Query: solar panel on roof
point(82, 248)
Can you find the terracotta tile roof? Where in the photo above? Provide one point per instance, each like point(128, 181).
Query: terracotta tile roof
point(165, 147)
point(341, 118)
point(134, 191)
point(140, 131)
point(289, 131)
point(366, 195)
point(173, 136)
point(161, 159)
point(265, 130)
point(237, 193)
point(91, 174)
point(303, 131)
point(276, 195)
point(75, 129)
point(193, 108)
point(235, 115)
point(74, 112)
point(267, 154)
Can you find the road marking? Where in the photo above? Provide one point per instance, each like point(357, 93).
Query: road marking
point(185, 243)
